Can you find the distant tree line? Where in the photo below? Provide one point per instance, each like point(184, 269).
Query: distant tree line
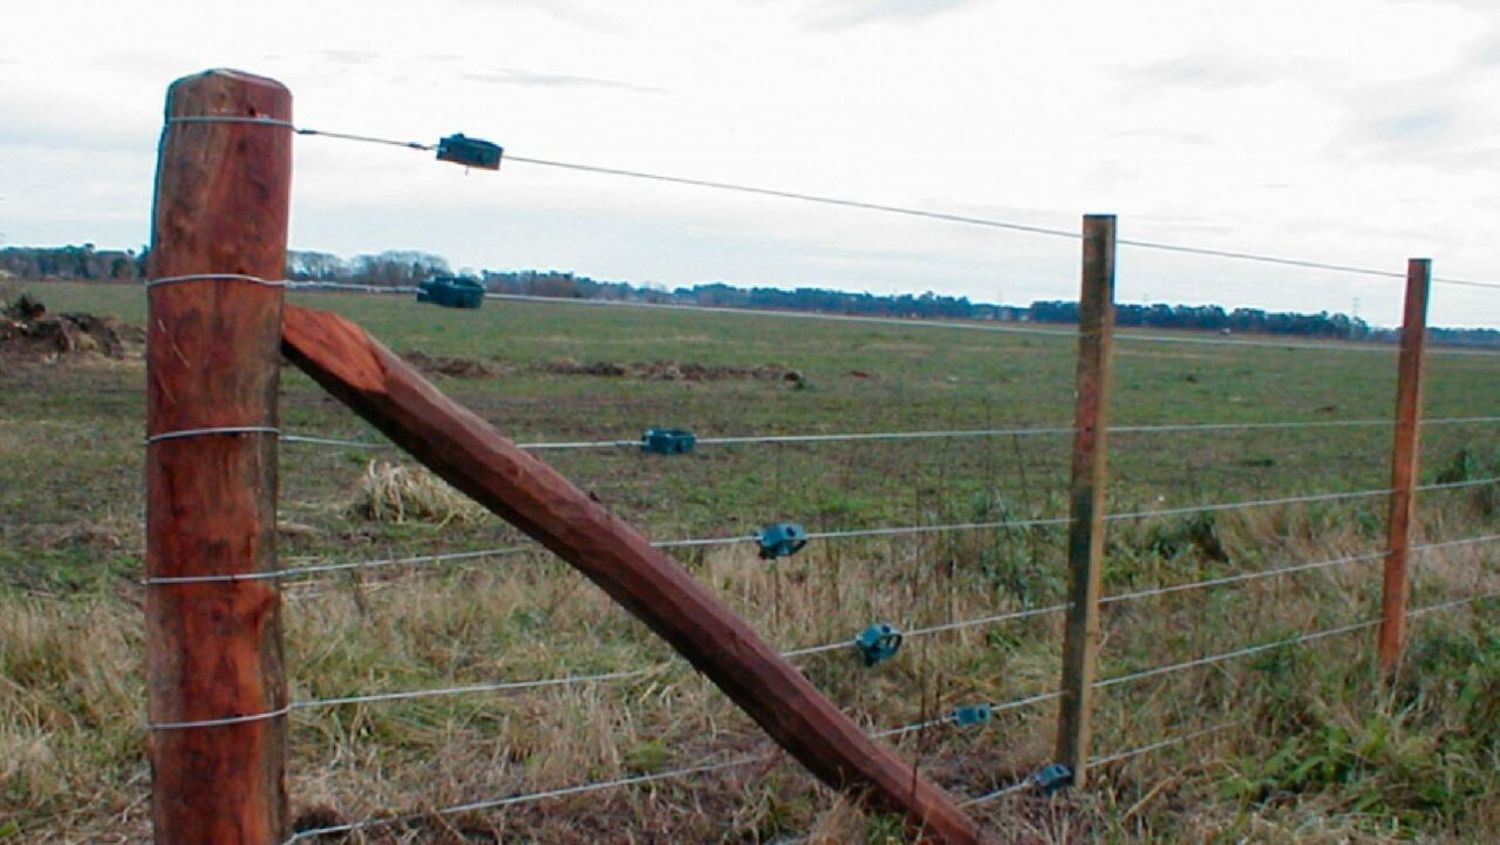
point(402, 268)
point(1215, 319)
point(72, 262)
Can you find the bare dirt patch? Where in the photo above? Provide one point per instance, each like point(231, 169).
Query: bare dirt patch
point(449, 365)
point(29, 332)
point(673, 371)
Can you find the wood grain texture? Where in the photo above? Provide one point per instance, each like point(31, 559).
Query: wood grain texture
point(473, 456)
point(1096, 322)
point(1405, 457)
point(212, 359)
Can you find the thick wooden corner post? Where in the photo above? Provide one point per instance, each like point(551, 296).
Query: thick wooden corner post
point(1096, 325)
point(1404, 462)
point(214, 654)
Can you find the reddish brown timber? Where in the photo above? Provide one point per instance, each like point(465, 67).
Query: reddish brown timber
point(212, 359)
point(1405, 457)
point(474, 457)
point(1096, 326)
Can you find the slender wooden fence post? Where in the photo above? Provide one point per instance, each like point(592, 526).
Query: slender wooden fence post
point(1096, 323)
point(213, 638)
point(1405, 455)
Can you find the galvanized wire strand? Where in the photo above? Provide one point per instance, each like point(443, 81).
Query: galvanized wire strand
point(1019, 786)
point(319, 440)
point(1247, 651)
point(570, 680)
point(1457, 420)
point(843, 644)
point(893, 531)
point(812, 198)
point(1129, 336)
point(1297, 639)
point(1026, 783)
point(1290, 262)
point(232, 118)
point(1252, 503)
point(490, 804)
point(1243, 576)
point(365, 139)
point(791, 315)
point(581, 444)
point(213, 277)
point(904, 530)
point(982, 221)
point(468, 689)
point(303, 571)
point(929, 324)
point(318, 285)
point(1288, 570)
point(1032, 431)
point(221, 720)
point(1105, 759)
point(971, 220)
point(1464, 541)
point(1454, 485)
point(948, 719)
point(987, 620)
point(1120, 336)
point(183, 433)
point(1451, 604)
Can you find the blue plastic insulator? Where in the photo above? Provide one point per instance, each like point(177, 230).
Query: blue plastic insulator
point(1051, 777)
point(470, 152)
point(667, 441)
point(971, 714)
point(878, 642)
point(781, 540)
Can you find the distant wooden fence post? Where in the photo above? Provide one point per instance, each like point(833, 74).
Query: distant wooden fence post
point(1405, 455)
point(1096, 324)
point(213, 644)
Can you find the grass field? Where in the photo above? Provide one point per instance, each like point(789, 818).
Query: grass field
point(1317, 749)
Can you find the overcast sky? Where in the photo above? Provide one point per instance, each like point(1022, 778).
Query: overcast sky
point(1349, 131)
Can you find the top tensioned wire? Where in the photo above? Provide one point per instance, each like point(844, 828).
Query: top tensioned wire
point(859, 204)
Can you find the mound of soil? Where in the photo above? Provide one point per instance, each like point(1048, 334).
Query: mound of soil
point(673, 371)
point(27, 331)
point(454, 366)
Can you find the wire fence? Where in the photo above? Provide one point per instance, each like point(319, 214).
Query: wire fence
point(970, 220)
point(1012, 789)
point(845, 534)
point(915, 628)
point(1129, 336)
point(903, 436)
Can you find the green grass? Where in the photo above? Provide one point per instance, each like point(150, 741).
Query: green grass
point(1326, 752)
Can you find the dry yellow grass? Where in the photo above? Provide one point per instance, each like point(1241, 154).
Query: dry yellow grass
point(71, 695)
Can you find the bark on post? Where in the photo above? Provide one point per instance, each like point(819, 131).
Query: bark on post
point(1096, 321)
point(214, 648)
point(1396, 588)
point(472, 456)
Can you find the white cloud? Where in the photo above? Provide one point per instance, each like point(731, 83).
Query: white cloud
point(1332, 139)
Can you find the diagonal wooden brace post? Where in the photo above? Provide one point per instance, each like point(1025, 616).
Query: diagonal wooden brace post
point(472, 456)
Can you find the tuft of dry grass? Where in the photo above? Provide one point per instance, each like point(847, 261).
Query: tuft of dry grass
point(402, 493)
